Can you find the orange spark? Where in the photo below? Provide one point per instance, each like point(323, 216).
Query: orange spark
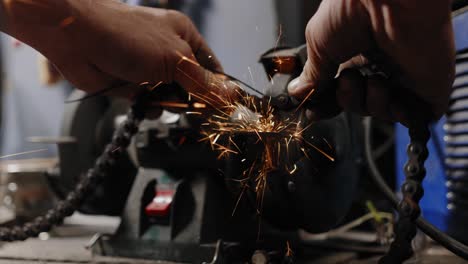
point(289, 251)
point(199, 105)
point(67, 21)
point(243, 114)
point(187, 59)
point(293, 170)
point(321, 151)
point(154, 86)
point(306, 98)
point(172, 104)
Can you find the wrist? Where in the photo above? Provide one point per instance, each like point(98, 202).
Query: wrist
point(36, 22)
point(5, 16)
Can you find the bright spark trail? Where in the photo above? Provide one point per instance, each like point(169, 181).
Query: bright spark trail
point(235, 113)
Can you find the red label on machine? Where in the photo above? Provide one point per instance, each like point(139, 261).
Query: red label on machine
point(161, 204)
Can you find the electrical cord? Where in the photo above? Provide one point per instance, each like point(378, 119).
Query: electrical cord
point(121, 140)
point(347, 227)
point(445, 240)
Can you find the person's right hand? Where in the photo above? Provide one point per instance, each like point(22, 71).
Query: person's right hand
point(413, 38)
point(105, 43)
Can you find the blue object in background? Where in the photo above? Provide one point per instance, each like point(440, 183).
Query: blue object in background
point(460, 26)
point(456, 162)
point(434, 202)
point(29, 108)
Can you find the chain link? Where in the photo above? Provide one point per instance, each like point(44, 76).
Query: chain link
point(412, 191)
point(408, 208)
point(113, 151)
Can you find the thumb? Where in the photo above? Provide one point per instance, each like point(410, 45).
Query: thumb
point(311, 79)
point(204, 85)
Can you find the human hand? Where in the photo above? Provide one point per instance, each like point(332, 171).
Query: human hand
point(413, 39)
point(100, 44)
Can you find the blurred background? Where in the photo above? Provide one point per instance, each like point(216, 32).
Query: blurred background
point(35, 120)
point(238, 32)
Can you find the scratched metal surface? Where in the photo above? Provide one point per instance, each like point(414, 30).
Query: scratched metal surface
point(66, 244)
point(72, 251)
point(57, 251)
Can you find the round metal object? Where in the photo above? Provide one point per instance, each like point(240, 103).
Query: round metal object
point(24, 189)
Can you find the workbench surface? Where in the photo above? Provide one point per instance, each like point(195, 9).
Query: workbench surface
point(68, 245)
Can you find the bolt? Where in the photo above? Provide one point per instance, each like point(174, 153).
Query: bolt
point(291, 186)
point(415, 149)
point(409, 188)
point(411, 169)
point(260, 257)
point(283, 100)
point(405, 208)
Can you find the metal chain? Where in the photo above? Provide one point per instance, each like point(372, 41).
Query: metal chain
point(412, 190)
point(113, 151)
point(408, 208)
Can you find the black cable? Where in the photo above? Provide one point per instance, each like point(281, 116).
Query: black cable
point(375, 173)
point(98, 93)
point(104, 163)
point(232, 78)
point(121, 84)
point(445, 240)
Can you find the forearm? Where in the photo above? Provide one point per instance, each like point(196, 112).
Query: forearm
point(3, 16)
point(418, 44)
point(33, 21)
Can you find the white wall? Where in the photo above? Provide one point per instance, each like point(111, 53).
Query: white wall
point(239, 31)
point(30, 109)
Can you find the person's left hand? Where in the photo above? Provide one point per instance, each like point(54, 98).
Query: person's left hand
point(100, 44)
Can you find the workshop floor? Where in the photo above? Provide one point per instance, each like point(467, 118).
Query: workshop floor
point(67, 245)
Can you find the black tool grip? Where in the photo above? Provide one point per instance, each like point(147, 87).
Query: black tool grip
point(323, 102)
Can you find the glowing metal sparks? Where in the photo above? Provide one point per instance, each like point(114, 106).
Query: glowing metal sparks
point(199, 105)
point(289, 251)
point(253, 117)
point(233, 117)
point(321, 151)
point(67, 21)
point(172, 104)
point(312, 91)
point(291, 172)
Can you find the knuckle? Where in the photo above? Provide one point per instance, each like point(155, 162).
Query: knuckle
point(309, 31)
point(171, 61)
point(180, 20)
point(185, 49)
point(176, 14)
point(310, 73)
